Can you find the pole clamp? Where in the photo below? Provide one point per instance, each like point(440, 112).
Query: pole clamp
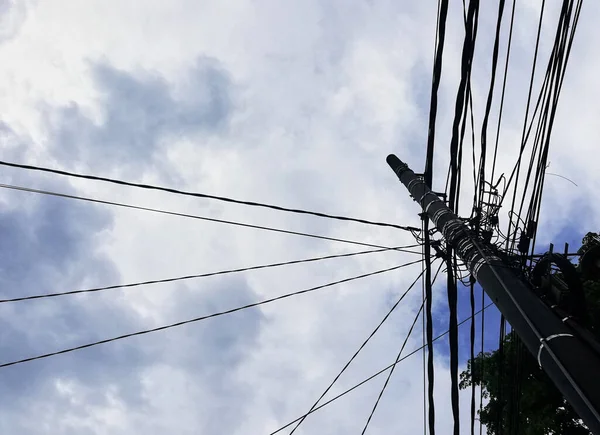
point(543, 342)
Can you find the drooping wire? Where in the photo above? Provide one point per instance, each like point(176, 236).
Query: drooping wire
point(202, 218)
point(380, 372)
point(330, 386)
point(397, 358)
point(188, 277)
point(204, 195)
point(197, 319)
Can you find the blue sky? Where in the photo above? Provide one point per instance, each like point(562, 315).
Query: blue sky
point(294, 104)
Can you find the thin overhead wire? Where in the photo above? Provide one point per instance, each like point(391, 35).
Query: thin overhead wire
point(397, 357)
point(330, 386)
point(380, 372)
point(387, 380)
point(205, 196)
point(188, 277)
point(197, 319)
point(531, 81)
point(202, 218)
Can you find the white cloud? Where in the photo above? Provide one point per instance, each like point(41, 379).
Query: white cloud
point(313, 96)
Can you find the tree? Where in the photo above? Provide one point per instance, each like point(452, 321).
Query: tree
point(521, 398)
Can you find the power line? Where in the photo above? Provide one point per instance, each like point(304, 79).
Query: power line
point(397, 357)
point(203, 218)
point(387, 380)
point(187, 277)
point(472, 348)
point(440, 36)
point(456, 146)
point(510, 35)
point(359, 350)
point(197, 319)
point(204, 195)
point(364, 381)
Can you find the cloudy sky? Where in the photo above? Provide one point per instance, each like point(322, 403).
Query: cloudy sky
point(295, 103)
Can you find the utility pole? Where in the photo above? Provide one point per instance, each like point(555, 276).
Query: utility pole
point(571, 364)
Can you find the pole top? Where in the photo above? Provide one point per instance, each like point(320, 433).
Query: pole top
point(397, 165)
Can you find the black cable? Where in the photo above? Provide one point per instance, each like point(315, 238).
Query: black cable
point(510, 33)
point(472, 298)
point(435, 84)
point(330, 386)
point(397, 358)
point(442, 14)
point(526, 131)
point(540, 99)
point(550, 94)
point(459, 112)
point(490, 96)
point(453, 338)
point(429, 331)
point(520, 381)
point(500, 386)
point(364, 381)
point(553, 81)
point(197, 319)
point(203, 218)
point(203, 195)
point(387, 380)
point(456, 146)
point(423, 327)
point(565, 43)
point(482, 360)
point(187, 277)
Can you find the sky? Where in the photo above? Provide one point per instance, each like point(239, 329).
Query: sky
point(293, 103)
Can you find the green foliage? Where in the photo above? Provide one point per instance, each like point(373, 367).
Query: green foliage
point(520, 396)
